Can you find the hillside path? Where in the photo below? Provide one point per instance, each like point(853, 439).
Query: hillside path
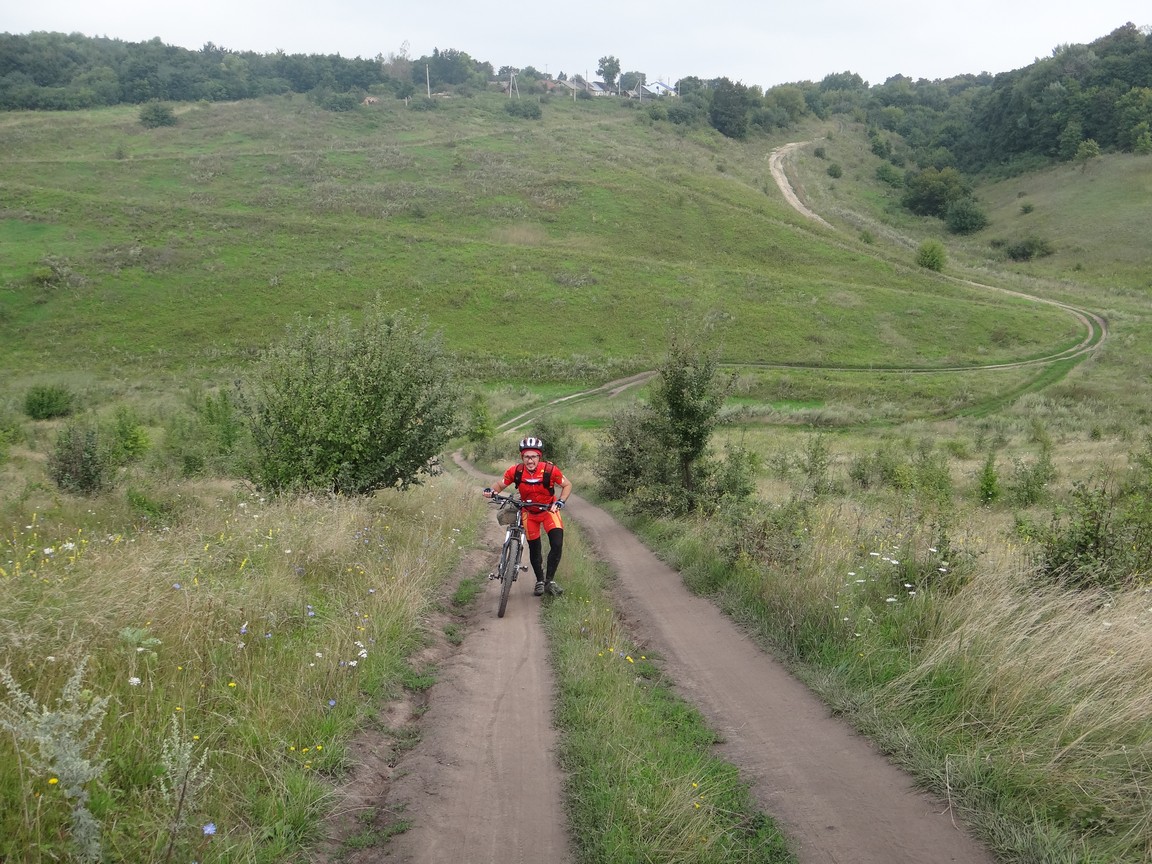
point(476, 792)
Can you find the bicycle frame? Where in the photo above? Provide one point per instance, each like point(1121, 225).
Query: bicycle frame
point(512, 549)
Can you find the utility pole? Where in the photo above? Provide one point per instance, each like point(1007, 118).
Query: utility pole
point(427, 81)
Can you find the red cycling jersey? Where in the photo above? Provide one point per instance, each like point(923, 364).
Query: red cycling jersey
point(531, 486)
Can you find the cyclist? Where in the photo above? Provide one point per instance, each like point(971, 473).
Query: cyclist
point(539, 482)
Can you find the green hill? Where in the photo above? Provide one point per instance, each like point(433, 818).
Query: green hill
point(184, 250)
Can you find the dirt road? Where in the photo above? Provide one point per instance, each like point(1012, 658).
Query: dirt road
point(473, 794)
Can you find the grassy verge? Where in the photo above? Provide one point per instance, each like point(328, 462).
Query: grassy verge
point(188, 691)
point(1024, 707)
point(641, 782)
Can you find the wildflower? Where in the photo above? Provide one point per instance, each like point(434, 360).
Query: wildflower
point(210, 829)
point(331, 703)
point(134, 681)
point(231, 683)
point(176, 585)
point(69, 546)
point(352, 662)
point(52, 781)
point(244, 628)
point(890, 600)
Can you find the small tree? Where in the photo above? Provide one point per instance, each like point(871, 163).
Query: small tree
point(156, 114)
point(347, 409)
point(1086, 152)
point(964, 216)
point(932, 255)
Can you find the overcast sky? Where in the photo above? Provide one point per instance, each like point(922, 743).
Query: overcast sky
point(752, 41)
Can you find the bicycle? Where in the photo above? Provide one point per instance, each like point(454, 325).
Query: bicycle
point(510, 553)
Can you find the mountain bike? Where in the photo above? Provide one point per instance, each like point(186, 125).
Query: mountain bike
point(511, 516)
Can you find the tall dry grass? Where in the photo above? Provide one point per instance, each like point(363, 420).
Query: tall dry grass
point(264, 627)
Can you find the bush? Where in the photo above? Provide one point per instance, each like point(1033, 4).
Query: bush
point(835, 171)
point(77, 462)
point(964, 216)
point(340, 102)
point(425, 103)
point(210, 438)
point(820, 153)
point(1028, 248)
point(890, 174)
point(156, 114)
point(529, 109)
point(932, 255)
point(48, 401)
point(684, 114)
point(350, 409)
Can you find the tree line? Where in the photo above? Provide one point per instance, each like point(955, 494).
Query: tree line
point(1099, 93)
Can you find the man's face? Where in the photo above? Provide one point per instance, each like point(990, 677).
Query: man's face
point(531, 459)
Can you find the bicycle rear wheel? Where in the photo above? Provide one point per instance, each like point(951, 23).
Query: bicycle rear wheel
point(509, 562)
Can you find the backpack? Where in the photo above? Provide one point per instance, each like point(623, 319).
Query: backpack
point(519, 477)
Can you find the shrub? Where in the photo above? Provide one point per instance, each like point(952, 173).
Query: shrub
point(425, 103)
point(210, 438)
point(835, 171)
point(77, 462)
point(156, 114)
point(684, 114)
point(890, 174)
point(1028, 248)
point(340, 102)
point(1026, 208)
point(1103, 541)
point(964, 216)
point(932, 255)
point(48, 401)
point(1031, 480)
point(350, 409)
point(820, 153)
point(989, 481)
point(528, 109)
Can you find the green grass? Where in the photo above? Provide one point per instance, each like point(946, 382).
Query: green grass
point(641, 783)
point(143, 265)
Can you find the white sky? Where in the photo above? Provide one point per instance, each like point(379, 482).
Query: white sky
point(752, 41)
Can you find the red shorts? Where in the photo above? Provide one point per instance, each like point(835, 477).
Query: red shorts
point(535, 519)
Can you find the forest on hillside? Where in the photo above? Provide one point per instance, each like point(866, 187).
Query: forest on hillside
point(1100, 92)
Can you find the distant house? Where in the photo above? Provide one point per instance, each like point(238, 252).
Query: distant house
point(659, 88)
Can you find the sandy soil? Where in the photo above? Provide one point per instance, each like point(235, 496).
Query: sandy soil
point(483, 784)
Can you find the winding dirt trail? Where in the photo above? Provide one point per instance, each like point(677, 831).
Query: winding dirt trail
point(474, 793)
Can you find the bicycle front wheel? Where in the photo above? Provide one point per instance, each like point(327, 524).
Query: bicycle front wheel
point(509, 563)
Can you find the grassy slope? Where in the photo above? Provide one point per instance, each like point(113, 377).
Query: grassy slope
point(186, 248)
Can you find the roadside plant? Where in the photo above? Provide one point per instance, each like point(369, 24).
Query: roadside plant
point(49, 401)
point(57, 747)
point(349, 409)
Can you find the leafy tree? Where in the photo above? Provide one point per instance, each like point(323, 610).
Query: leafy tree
point(1086, 152)
point(728, 112)
point(608, 69)
point(630, 80)
point(964, 216)
point(929, 192)
point(688, 397)
point(156, 114)
point(349, 409)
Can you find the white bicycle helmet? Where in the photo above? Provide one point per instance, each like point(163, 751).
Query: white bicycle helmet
point(531, 443)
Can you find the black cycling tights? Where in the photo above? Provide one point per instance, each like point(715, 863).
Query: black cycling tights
point(555, 550)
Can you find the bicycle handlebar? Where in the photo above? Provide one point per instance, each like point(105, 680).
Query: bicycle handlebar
point(508, 499)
